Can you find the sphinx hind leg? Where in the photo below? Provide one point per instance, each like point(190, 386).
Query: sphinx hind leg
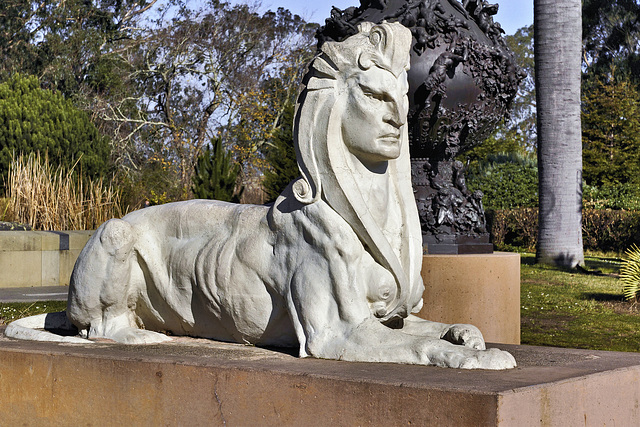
point(102, 295)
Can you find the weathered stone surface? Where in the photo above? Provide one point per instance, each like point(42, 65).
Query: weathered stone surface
point(201, 382)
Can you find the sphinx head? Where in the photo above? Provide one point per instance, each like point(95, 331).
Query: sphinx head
point(355, 100)
point(374, 115)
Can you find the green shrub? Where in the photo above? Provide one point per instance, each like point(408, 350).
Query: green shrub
point(38, 120)
point(513, 227)
point(611, 196)
point(608, 230)
point(507, 181)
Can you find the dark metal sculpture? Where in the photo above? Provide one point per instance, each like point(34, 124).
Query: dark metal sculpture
point(461, 84)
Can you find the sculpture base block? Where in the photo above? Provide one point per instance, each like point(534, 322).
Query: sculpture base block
point(200, 382)
point(456, 245)
point(480, 289)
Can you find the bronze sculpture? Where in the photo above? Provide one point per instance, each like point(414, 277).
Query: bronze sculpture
point(462, 81)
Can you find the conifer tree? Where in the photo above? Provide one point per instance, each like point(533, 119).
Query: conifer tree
point(611, 132)
point(281, 156)
point(216, 175)
point(39, 120)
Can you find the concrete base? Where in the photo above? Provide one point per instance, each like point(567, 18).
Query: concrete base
point(200, 382)
point(39, 258)
point(480, 289)
point(453, 244)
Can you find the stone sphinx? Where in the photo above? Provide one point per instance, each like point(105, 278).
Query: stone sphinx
point(333, 267)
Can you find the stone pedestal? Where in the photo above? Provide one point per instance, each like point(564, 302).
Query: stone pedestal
point(200, 382)
point(455, 245)
point(480, 289)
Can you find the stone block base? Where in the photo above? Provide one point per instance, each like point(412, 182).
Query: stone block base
point(454, 244)
point(200, 382)
point(480, 289)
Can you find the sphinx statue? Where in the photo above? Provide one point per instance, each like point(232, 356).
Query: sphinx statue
point(332, 267)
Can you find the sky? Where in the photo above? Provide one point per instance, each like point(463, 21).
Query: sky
point(512, 14)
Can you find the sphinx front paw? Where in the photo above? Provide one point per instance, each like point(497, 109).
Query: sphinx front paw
point(138, 336)
point(494, 358)
point(467, 358)
point(462, 334)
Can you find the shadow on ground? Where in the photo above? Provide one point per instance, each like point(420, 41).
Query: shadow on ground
point(603, 297)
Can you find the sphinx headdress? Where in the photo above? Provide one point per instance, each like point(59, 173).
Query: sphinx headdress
point(323, 158)
point(384, 46)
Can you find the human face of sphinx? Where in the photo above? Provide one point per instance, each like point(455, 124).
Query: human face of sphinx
point(374, 115)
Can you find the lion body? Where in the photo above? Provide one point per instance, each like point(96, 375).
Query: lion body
point(223, 271)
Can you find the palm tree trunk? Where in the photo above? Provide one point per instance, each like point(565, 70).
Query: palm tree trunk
point(558, 52)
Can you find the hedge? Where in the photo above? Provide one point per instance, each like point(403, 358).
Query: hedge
point(603, 230)
point(508, 181)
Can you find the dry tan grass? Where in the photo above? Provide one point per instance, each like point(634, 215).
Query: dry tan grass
point(50, 198)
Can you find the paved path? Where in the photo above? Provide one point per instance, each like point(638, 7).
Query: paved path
point(38, 293)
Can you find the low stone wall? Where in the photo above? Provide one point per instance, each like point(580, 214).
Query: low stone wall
point(39, 258)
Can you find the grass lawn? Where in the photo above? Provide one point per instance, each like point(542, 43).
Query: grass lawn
point(17, 310)
point(578, 310)
point(559, 308)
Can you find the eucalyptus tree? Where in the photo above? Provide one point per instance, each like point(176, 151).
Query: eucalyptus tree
point(611, 37)
point(558, 54)
point(65, 42)
point(197, 74)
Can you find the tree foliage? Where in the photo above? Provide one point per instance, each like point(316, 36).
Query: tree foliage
point(216, 175)
point(281, 157)
point(611, 132)
point(521, 126)
point(161, 78)
point(39, 120)
point(611, 96)
point(614, 195)
point(206, 72)
point(611, 37)
point(65, 42)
